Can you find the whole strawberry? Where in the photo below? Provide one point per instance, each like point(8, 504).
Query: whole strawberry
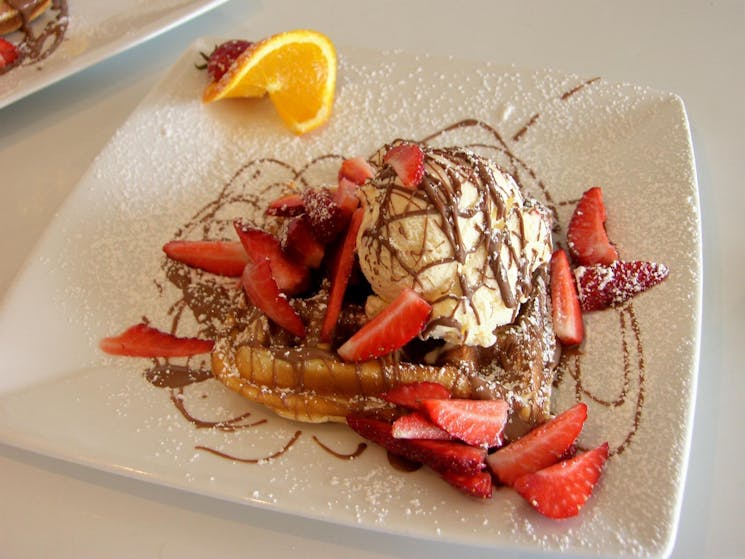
point(220, 59)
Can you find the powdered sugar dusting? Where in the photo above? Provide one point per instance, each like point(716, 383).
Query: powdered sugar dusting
point(97, 271)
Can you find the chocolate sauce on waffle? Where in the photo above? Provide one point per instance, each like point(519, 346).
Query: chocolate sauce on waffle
point(248, 189)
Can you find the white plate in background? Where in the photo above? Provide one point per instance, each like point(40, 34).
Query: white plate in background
point(99, 269)
point(96, 31)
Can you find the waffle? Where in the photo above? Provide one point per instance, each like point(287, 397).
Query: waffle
point(310, 383)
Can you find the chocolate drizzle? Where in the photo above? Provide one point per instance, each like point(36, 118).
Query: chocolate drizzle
point(630, 398)
point(358, 452)
point(39, 39)
point(212, 303)
point(478, 232)
point(262, 460)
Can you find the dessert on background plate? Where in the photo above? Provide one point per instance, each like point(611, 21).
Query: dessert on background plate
point(30, 30)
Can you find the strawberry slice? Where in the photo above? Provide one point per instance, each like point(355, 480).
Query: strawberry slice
point(289, 205)
point(223, 56)
point(341, 272)
point(602, 286)
point(407, 161)
point(543, 446)
point(446, 456)
point(262, 289)
point(301, 245)
point(416, 426)
point(326, 216)
point(587, 238)
point(391, 329)
point(356, 169)
point(291, 277)
point(225, 258)
point(8, 53)
point(411, 394)
point(476, 422)
point(441, 456)
point(476, 485)
point(346, 197)
point(561, 490)
point(565, 307)
point(142, 340)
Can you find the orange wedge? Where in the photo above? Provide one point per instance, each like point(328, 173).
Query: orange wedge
point(296, 68)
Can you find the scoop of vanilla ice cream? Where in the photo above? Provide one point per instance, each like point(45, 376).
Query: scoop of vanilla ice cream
point(466, 239)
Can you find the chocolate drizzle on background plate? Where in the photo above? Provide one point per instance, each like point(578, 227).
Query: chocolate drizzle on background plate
point(40, 37)
point(210, 302)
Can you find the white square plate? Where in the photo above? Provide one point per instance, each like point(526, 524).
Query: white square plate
point(96, 30)
point(99, 268)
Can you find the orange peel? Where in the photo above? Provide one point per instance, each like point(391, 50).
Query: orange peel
point(296, 69)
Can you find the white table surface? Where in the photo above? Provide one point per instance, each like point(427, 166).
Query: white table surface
point(694, 48)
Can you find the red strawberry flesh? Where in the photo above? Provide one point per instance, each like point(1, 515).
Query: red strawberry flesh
point(603, 286)
point(560, 491)
point(416, 426)
point(476, 422)
point(391, 329)
point(301, 245)
point(565, 306)
point(441, 456)
point(587, 237)
point(291, 277)
point(225, 258)
point(142, 340)
point(356, 169)
point(223, 57)
point(289, 205)
point(341, 272)
point(541, 447)
point(8, 53)
point(326, 216)
point(263, 291)
point(410, 395)
point(476, 485)
point(407, 160)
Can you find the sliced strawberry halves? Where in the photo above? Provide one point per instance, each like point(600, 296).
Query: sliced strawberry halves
point(225, 258)
point(561, 490)
point(476, 422)
point(565, 307)
point(410, 395)
point(476, 485)
point(391, 329)
point(326, 216)
point(301, 245)
point(262, 289)
point(356, 169)
point(416, 426)
point(441, 456)
point(220, 60)
point(289, 205)
point(291, 277)
point(587, 238)
point(8, 53)
point(346, 197)
point(541, 447)
point(602, 286)
point(407, 161)
point(445, 456)
point(341, 271)
point(142, 340)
